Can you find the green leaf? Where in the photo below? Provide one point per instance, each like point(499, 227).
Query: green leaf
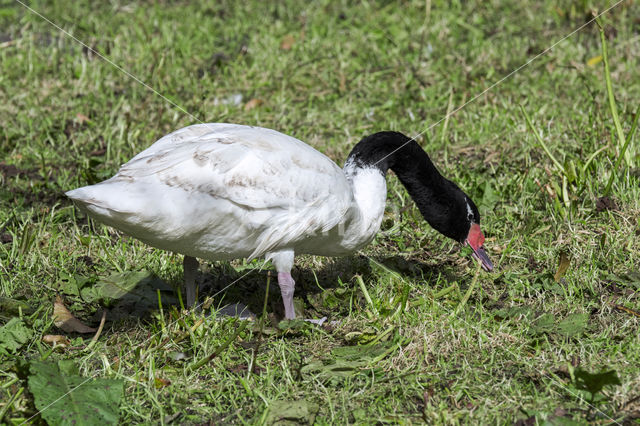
point(292, 412)
point(136, 284)
point(13, 307)
point(593, 383)
point(489, 198)
point(73, 284)
point(358, 353)
point(338, 368)
point(544, 324)
point(13, 335)
point(65, 398)
point(573, 325)
point(514, 312)
point(129, 293)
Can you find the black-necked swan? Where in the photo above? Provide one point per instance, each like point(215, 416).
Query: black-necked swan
point(225, 191)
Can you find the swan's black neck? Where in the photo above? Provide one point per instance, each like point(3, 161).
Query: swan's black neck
point(395, 151)
point(440, 201)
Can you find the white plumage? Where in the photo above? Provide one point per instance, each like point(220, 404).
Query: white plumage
point(225, 191)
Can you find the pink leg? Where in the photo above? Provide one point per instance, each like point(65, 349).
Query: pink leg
point(287, 286)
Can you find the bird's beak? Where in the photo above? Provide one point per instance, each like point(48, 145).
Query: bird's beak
point(475, 239)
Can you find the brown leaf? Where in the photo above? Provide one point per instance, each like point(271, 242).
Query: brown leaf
point(287, 42)
point(563, 265)
point(56, 340)
point(82, 118)
point(160, 383)
point(605, 203)
point(64, 320)
point(253, 103)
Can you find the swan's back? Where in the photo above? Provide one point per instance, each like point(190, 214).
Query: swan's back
point(222, 191)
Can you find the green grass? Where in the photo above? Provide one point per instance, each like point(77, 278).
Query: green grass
point(512, 348)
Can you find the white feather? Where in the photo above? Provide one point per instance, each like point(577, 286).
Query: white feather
point(224, 191)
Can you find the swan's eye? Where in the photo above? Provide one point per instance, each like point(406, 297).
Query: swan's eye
point(470, 217)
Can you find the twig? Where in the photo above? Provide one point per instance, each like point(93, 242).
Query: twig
point(4, 44)
point(625, 309)
point(97, 335)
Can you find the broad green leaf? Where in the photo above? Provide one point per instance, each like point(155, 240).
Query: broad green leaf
point(489, 198)
point(65, 398)
point(514, 312)
point(292, 412)
point(573, 325)
point(129, 293)
point(13, 307)
point(593, 383)
point(294, 325)
point(544, 324)
point(72, 284)
point(131, 284)
point(354, 353)
point(13, 335)
point(341, 368)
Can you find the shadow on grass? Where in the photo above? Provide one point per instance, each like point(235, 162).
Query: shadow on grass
point(329, 290)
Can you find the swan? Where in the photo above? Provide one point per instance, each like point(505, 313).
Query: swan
point(220, 191)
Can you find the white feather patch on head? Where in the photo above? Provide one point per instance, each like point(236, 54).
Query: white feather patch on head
point(469, 211)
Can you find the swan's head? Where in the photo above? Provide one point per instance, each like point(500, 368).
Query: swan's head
point(474, 237)
point(456, 216)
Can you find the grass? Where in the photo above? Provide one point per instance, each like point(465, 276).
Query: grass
point(435, 340)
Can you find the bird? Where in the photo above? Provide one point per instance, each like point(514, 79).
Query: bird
point(219, 191)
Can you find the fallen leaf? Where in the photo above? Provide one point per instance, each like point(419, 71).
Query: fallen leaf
point(544, 324)
point(13, 335)
point(594, 61)
point(52, 386)
point(98, 152)
point(64, 320)
point(343, 83)
point(129, 293)
point(287, 42)
point(605, 203)
point(292, 412)
point(573, 325)
point(593, 383)
point(177, 356)
point(82, 118)
point(160, 383)
point(253, 103)
point(13, 307)
point(234, 99)
point(563, 265)
point(56, 340)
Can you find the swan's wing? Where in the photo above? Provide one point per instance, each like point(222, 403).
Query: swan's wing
point(282, 189)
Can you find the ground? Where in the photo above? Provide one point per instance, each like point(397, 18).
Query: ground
point(418, 332)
